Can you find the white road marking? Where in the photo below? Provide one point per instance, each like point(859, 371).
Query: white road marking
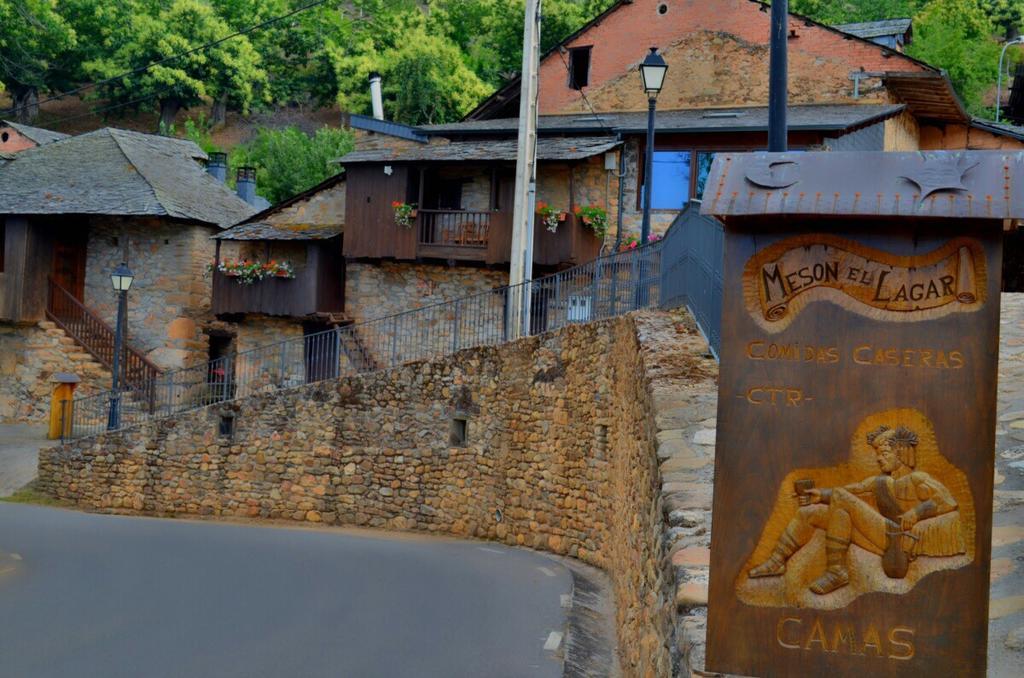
point(565, 599)
point(548, 572)
point(553, 641)
point(7, 569)
point(484, 548)
point(15, 556)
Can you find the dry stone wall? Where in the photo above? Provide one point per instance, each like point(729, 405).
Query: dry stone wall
point(548, 442)
point(29, 357)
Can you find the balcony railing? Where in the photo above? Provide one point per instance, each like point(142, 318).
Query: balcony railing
point(454, 234)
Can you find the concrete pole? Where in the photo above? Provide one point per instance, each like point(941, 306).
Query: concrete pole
point(521, 260)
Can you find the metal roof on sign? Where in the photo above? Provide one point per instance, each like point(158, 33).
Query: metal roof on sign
point(940, 184)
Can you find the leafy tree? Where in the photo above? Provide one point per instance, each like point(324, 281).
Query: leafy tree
point(956, 35)
point(231, 69)
point(33, 35)
point(288, 161)
point(1008, 15)
point(428, 82)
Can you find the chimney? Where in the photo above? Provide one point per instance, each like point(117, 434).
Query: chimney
point(245, 184)
point(217, 166)
point(376, 97)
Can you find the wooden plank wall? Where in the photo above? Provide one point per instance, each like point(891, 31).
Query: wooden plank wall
point(369, 218)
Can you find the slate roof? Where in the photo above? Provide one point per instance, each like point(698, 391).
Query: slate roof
point(121, 173)
point(260, 230)
point(488, 150)
point(37, 134)
point(876, 29)
point(815, 117)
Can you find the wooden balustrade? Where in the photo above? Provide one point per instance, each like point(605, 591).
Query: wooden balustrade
point(97, 337)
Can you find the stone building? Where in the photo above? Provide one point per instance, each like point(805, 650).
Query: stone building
point(851, 88)
point(16, 137)
point(70, 212)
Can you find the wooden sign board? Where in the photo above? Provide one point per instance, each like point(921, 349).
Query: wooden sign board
point(856, 431)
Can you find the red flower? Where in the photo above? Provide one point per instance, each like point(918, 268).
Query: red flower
point(396, 204)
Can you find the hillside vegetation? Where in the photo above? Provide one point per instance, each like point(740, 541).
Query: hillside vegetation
point(193, 65)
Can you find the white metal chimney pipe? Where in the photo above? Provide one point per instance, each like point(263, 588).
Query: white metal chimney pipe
point(376, 96)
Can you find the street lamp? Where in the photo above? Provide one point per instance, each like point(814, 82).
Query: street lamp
point(122, 279)
point(999, 79)
point(652, 72)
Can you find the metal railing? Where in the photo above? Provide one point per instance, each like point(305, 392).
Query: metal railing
point(97, 337)
point(606, 287)
point(694, 251)
point(454, 228)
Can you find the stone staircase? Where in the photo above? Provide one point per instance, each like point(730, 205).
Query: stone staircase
point(83, 363)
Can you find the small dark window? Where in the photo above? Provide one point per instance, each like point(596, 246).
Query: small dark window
point(4, 137)
point(227, 426)
point(663, 8)
point(457, 435)
point(579, 67)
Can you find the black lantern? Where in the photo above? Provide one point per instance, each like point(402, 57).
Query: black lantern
point(652, 70)
point(122, 278)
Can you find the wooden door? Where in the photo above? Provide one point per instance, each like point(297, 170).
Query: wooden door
point(68, 268)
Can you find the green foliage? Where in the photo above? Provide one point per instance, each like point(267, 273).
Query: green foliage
point(232, 68)
point(852, 11)
point(956, 35)
point(428, 82)
point(288, 161)
point(33, 37)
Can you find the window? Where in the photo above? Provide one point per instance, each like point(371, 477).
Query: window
point(579, 67)
point(457, 433)
point(670, 180)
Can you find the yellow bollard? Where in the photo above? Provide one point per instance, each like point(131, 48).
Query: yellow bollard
point(61, 404)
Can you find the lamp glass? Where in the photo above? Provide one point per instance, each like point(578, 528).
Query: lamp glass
point(122, 278)
point(653, 70)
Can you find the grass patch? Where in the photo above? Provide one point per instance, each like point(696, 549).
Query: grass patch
point(30, 494)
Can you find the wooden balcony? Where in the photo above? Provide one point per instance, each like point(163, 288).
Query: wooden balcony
point(317, 288)
point(462, 235)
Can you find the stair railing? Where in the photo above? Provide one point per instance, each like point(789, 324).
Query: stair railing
point(94, 335)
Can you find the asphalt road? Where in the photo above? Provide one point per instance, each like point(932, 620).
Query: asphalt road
point(91, 595)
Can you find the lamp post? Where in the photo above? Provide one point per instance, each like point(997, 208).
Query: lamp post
point(121, 278)
point(652, 72)
point(999, 79)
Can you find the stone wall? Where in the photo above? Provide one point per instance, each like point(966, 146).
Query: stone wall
point(29, 357)
point(558, 454)
point(171, 292)
point(374, 290)
point(717, 54)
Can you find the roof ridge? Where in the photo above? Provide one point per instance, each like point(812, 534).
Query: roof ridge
point(131, 161)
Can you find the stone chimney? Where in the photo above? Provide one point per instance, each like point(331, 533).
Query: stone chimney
point(217, 166)
point(376, 97)
point(245, 184)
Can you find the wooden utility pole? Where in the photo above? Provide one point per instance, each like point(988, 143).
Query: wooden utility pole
point(521, 267)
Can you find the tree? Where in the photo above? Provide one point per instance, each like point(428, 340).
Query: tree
point(956, 35)
point(33, 35)
point(288, 161)
point(427, 81)
point(1008, 15)
point(231, 69)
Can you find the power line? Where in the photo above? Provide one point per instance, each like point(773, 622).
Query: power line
point(189, 52)
point(103, 109)
point(597, 118)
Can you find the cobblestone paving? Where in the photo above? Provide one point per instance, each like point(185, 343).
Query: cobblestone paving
point(685, 417)
point(1006, 615)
